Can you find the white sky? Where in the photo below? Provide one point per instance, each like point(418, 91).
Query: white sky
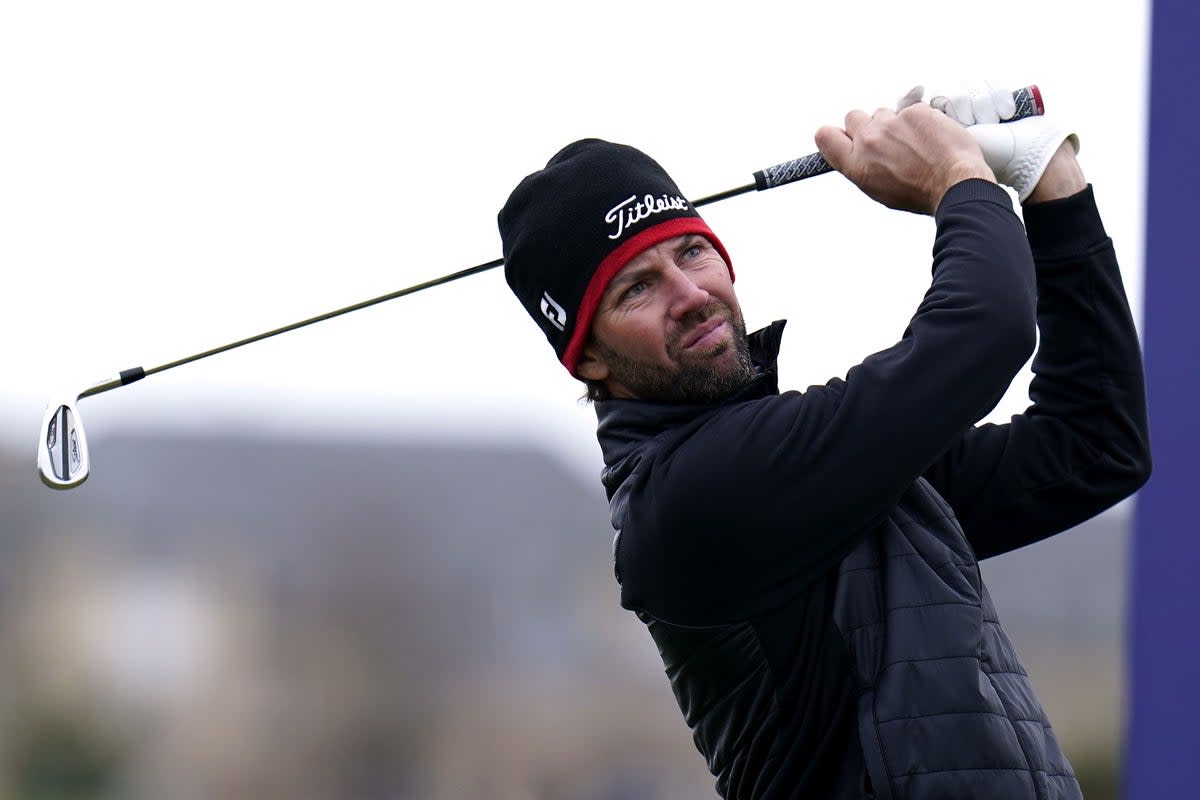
point(175, 176)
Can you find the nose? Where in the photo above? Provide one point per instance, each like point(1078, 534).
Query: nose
point(686, 296)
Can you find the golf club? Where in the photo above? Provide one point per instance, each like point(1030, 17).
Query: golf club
point(63, 461)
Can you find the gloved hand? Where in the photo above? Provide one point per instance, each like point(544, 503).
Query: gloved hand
point(979, 103)
point(913, 96)
point(1018, 152)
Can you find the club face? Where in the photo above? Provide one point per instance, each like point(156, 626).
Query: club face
point(62, 447)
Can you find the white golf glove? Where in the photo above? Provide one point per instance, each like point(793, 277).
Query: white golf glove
point(1018, 152)
point(914, 95)
point(981, 103)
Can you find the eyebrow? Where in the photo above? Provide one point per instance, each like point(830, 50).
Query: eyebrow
point(623, 281)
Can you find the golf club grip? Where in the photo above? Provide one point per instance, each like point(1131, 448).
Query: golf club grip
point(1029, 104)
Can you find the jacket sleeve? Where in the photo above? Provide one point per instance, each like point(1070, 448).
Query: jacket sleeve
point(1083, 444)
point(769, 493)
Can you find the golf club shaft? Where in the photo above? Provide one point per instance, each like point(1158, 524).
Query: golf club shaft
point(1028, 102)
point(128, 376)
point(133, 374)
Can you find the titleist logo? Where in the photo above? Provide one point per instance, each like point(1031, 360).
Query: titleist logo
point(632, 211)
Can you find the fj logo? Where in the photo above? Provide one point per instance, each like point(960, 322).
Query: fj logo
point(553, 311)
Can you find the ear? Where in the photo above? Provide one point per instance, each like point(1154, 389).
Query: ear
point(591, 365)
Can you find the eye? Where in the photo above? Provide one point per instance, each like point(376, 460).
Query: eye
point(633, 291)
point(694, 249)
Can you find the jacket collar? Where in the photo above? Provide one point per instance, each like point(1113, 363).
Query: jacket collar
point(624, 425)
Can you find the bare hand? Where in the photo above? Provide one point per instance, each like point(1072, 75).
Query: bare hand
point(906, 160)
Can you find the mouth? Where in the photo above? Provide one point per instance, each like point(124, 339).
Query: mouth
point(706, 335)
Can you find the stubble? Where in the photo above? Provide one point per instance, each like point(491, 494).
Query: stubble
point(693, 380)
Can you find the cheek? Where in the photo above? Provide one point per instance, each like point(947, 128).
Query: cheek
point(724, 293)
point(644, 340)
point(637, 336)
point(715, 280)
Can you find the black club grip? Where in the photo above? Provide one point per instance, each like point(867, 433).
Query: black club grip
point(791, 171)
point(1029, 104)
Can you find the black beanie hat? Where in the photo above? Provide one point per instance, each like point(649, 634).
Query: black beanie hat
point(568, 229)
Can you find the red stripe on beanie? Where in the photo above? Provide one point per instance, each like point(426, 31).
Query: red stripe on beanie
point(615, 261)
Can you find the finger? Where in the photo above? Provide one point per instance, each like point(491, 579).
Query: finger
point(883, 113)
point(834, 144)
point(961, 110)
point(946, 106)
point(855, 121)
point(1004, 103)
point(910, 98)
point(983, 105)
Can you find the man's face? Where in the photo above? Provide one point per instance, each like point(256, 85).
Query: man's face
point(669, 327)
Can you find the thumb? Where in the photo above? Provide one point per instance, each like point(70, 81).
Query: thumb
point(834, 145)
point(911, 98)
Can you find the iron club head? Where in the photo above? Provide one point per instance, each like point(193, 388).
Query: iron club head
point(63, 461)
point(62, 448)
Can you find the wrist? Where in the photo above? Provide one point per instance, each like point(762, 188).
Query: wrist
point(971, 191)
point(959, 173)
point(1063, 177)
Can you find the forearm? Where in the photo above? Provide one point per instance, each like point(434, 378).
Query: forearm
point(1088, 369)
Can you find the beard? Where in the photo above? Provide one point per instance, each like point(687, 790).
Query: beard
point(694, 379)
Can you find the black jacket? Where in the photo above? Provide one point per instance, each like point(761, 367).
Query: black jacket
point(732, 520)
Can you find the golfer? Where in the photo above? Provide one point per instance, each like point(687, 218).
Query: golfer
point(806, 561)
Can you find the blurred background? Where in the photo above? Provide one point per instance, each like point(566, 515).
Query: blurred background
point(372, 558)
point(244, 617)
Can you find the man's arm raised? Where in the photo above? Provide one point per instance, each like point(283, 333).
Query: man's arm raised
point(1084, 443)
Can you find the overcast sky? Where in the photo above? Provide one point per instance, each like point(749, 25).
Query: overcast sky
point(175, 176)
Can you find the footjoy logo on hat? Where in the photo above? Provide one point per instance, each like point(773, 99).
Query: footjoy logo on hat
point(628, 212)
point(553, 311)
